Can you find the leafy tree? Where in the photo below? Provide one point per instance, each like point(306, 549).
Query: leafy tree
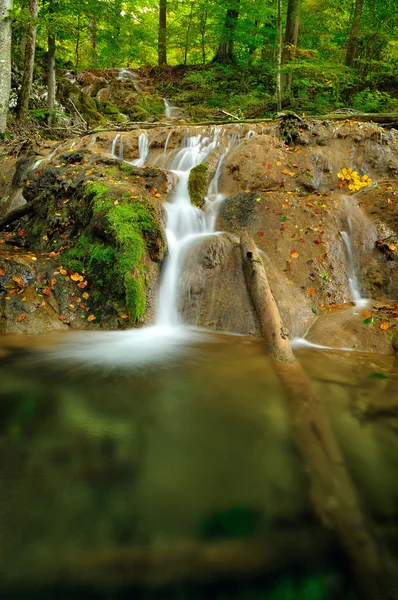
point(5, 61)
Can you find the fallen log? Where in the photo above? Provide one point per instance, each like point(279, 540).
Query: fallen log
point(333, 494)
point(16, 214)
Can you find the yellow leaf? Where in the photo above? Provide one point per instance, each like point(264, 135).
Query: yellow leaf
point(90, 318)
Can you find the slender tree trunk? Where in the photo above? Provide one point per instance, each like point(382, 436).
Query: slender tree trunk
point(290, 43)
point(162, 42)
point(225, 51)
point(92, 37)
point(77, 43)
point(5, 61)
point(353, 37)
point(51, 81)
point(29, 61)
point(187, 34)
point(202, 29)
point(279, 59)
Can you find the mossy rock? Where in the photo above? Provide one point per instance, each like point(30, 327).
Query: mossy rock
point(137, 113)
point(83, 103)
point(107, 108)
point(198, 184)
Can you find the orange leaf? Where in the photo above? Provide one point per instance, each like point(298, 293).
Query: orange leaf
point(18, 280)
point(63, 271)
point(47, 292)
point(124, 316)
point(20, 318)
point(269, 166)
point(285, 172)
point(90, 318)
point(75, 277)
point(2, 271)
point(53, 282)
point(294, 254)
point(61, 318)
point(82, 284)
point(366, 315)
point(310, 291)
point(384, 326)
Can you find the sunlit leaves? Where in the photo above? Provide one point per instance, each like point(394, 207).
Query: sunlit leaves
point(353, 180)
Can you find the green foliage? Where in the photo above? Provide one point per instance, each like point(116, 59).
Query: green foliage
point(374, 101)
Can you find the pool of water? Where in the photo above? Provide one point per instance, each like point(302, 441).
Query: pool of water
point(161, 464)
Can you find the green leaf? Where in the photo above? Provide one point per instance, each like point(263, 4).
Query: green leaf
point(284, 218)
point(377, 375)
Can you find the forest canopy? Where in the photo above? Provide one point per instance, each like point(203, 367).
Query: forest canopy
point(313, 55)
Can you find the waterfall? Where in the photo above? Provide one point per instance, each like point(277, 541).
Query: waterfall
point(169, 110)
point(355, 290)
point(185, 223)
point(143, 150)
point(116, 141)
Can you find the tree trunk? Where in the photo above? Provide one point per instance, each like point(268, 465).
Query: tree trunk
point(353, 37)
point(332, 490)
point(202, 29)
point(29, 61)
point(162, 44)
point(225, 51)
point(290, 43)
point(92, 37)
point(5, 61)
point(51, 81)
point(187, 34)
point(279, 60)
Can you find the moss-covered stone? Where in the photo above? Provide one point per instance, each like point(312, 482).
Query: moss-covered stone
point(198, 184)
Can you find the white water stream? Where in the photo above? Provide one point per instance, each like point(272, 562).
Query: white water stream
point(353, 282)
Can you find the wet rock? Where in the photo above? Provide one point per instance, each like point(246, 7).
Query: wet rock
point(213, 292)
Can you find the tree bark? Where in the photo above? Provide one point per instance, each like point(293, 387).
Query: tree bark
point(290, 42)
point(51, 81)
point(188, 34)
point(29, 61)
point(225, 51)
point(333, 493)
point(162, 35)
point(279, 60)
point(92, 37)
point(5, 61)
point(352, 43)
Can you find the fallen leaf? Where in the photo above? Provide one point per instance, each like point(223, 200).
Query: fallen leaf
point(310, 291)
point(2, 271)
point(20, 318)
point(278, 163)
point(46, 292)
point(294, 254)
point(53, 281)
point(82, 284)
point(124, 316)
point(61, 318)
point(260, 233)
point(384, 326)
point(86, 295)
point(75, 277)
point(90, 318)
point(63, 271)
point(366, 315)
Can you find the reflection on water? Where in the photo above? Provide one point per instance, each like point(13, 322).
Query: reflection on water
point(178, 478)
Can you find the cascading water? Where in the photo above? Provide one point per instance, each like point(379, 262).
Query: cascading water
point(185, 223)
point(117, 141)
point(143, 150)
point(169, 110)
point(356, 295)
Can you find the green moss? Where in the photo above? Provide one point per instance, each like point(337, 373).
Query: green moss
point(128, 222)
point(119, 265)
point(197, 184)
